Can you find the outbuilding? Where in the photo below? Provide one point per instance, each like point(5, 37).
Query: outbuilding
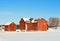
point(10, 26)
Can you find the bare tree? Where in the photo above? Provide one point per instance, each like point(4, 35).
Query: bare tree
point(53, 22)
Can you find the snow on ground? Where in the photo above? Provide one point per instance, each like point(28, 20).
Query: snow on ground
point(50, 35)
point(30, 36)
point(53, 29)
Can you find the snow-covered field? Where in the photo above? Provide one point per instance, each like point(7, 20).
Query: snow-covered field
point(50, 35)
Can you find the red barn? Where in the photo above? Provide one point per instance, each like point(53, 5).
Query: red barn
point(42, 25)
point(27, 25)
point(33, 25)
point(10, 27)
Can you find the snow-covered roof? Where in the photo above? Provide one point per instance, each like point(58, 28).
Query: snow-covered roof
point(8, 23)
point(28, 21)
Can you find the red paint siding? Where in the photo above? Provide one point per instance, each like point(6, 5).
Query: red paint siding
point(42, 25)
point(22, 24)
point(11, 27)
point(30, 27)
point(35, 26)
point(6, 28)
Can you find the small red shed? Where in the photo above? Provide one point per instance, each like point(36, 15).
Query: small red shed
point(10, 27)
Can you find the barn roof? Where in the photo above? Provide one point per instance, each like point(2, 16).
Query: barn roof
point(8, 23)
point(27, 20)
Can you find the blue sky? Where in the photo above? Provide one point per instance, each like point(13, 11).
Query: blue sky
point(13, 10)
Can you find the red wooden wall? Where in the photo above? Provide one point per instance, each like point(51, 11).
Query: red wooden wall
point(22, 24)
point(42, 25)
point(10, 27)
point(6, 28)
point(29, 26)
